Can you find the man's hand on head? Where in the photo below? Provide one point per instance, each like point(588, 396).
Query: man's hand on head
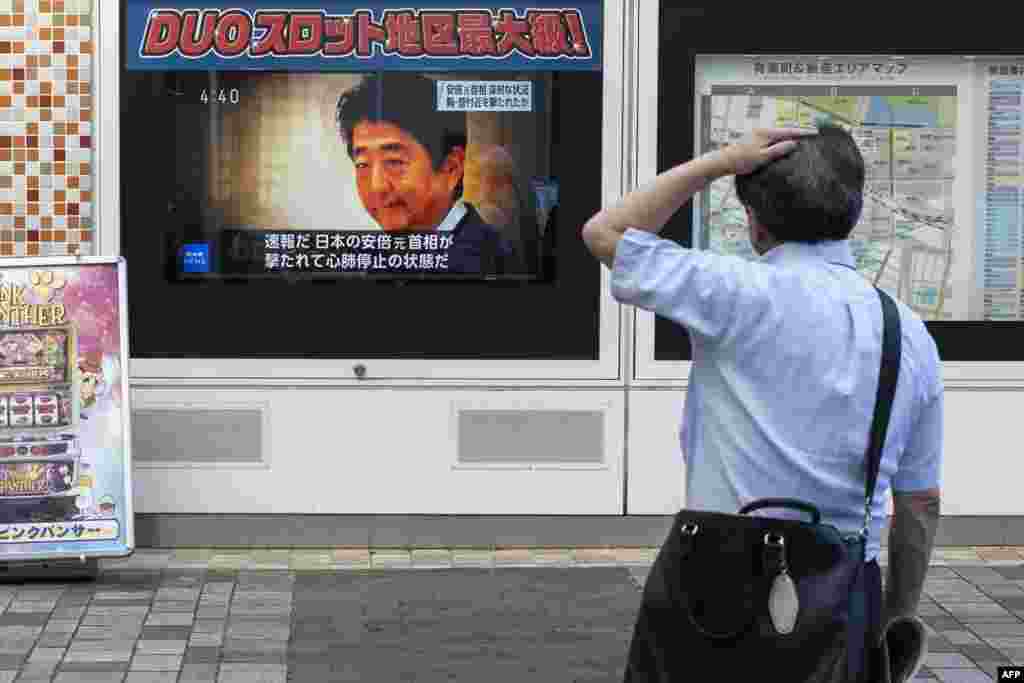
point(650, 207)
point(761, 146)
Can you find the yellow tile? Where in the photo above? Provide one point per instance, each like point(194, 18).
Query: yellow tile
point(192, 554)
point(300, 560)
point(271, 556)
point(431, 557)
point(551, 555)
point(472, 558)
point(585, 555)
point(635, 554)
point(390, 558)
point(228, 561)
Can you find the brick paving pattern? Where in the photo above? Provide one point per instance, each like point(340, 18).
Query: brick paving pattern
point(269, 616)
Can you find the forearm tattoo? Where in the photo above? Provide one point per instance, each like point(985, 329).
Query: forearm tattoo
point(911, 539)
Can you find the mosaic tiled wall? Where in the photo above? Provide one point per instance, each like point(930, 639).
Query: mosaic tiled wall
point(46, 105)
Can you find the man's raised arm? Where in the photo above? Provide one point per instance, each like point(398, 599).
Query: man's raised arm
point(650, 207)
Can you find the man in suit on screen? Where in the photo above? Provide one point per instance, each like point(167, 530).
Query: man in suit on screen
point(410, 161)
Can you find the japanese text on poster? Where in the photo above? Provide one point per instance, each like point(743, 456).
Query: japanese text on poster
point(367, 35)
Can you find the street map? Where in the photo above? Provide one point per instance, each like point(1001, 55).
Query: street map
point(903, 242)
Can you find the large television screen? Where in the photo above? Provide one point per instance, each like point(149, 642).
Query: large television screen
point(363, 145)
point(943, 213)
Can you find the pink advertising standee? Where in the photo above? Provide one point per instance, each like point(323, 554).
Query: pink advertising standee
point(65, 446)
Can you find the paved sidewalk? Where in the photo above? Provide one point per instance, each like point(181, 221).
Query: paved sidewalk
point(269, 616)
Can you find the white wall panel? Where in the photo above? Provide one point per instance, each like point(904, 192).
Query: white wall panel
point(382, 451)
point(656, 472)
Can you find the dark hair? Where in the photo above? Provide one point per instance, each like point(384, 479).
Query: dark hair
point(409, 101)
point(814, 193)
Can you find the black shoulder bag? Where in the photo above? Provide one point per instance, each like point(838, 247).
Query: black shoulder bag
point(739, 597)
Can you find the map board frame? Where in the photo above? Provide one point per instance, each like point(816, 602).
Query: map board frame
point(685, 33)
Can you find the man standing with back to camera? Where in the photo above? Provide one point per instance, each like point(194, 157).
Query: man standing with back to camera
point(786, 348)
point(409, 161)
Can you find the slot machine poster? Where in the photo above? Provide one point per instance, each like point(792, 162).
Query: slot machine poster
point(64, 414)
point(373, 139)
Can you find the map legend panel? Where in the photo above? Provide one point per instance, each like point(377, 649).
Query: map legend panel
point(1001, 252)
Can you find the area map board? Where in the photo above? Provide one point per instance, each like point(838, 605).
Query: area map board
point(941, 227)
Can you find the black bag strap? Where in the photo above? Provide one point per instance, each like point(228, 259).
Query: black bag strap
point(887, 378)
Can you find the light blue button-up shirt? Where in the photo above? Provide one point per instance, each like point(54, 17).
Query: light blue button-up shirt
point(786, 354)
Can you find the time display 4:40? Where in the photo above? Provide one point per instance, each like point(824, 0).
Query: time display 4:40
point(222, 96)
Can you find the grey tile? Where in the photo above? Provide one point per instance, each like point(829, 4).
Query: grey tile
point(252, 673)
point(161, 647)
point(209, 626)
point(89, 677)
point(1013, 573)
point(68, 613)
point(54, 640)
point(206, 640)
point(165, 632)
point(961, 675)
point(231, 656)
point(94, 667)
point(99, 612)
point(941, 644)
point(1015, 654)
point(264, 630)
point(936, 572)
point(24, 619)
point(991, 668)
point(45, 654)
point(991, 619)
point(1011, 647)
point(212, 613)
point(61, 626)
point(245, 650)
point(980, 575)
point(1012, 603)
point(1003, 590)
point(108, 652)
point(968, 612)
point(998, 629)
point(945, 623)
point(982, 653)
point(639, 575)
point(202, 655)
point(16, 646)
point(114, 632)
point(143, 662)
point(170, 619)
point(930, 609)
point(198, 673)
point(151, 677)
point(960, 638)
point(9, 662)
point(15, 632)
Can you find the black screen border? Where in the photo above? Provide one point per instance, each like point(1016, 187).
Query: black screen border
point(474, 321)
point(685, 32)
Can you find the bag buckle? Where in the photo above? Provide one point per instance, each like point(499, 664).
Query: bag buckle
point(688, 532)
point(774, 553)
